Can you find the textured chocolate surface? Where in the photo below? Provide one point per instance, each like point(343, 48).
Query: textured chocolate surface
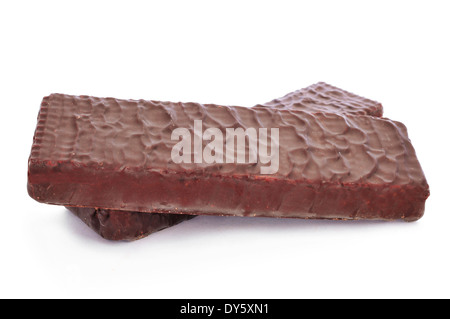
point(323, 97)
point(135, 225)
point(118, 134)
point(120, 225)
point(113, 154)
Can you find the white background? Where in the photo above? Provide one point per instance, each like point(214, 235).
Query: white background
point(227, 52)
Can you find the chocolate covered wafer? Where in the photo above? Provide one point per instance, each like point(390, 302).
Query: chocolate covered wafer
point(118, 154)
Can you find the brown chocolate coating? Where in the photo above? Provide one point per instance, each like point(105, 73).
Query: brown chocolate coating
point(122, 225)
point(323, 97)
point(114, 154)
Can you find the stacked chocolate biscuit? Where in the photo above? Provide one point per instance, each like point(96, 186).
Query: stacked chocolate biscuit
point(116, 164)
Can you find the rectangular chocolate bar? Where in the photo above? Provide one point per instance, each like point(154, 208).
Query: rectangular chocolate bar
point(115, 154)
point(125, 225)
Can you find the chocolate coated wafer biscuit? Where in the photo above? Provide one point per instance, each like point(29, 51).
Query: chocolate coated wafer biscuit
point(114, 154)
